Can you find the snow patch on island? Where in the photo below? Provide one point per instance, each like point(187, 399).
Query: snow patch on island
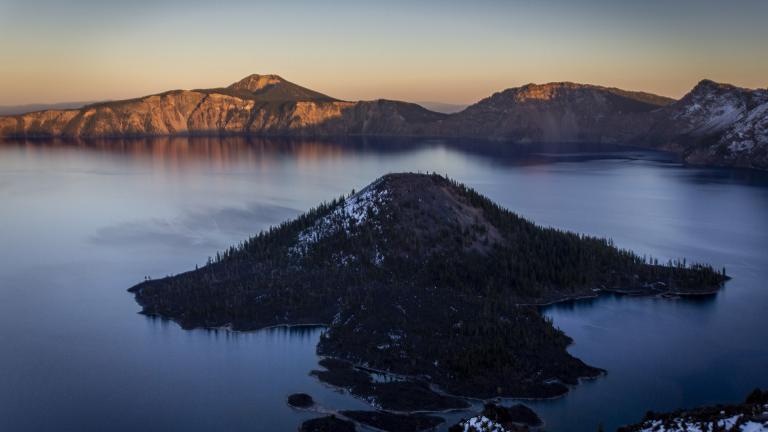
point(354, 211)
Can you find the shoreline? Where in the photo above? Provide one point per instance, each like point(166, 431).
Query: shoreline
point(597, 293)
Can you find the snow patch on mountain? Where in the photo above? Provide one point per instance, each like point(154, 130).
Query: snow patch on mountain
point(710, 109)
point(724, 116)
point(749, 133)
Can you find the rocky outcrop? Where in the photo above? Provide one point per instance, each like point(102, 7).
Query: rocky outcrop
point(715, 124)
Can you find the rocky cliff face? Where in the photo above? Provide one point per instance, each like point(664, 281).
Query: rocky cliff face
point(715, 124)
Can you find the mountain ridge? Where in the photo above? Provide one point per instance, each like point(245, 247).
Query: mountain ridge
point(713, 124)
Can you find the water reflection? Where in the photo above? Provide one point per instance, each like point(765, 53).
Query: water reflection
point(698, 301)
point(171, 154)
point(301, 332)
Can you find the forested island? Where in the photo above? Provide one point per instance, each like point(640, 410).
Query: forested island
point(420, 276)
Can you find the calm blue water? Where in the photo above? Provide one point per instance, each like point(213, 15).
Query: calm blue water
point(80, 223)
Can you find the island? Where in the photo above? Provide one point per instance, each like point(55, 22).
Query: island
point(300, 401)
point(423, 278)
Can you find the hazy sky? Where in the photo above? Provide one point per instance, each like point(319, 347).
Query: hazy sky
point(449, 51)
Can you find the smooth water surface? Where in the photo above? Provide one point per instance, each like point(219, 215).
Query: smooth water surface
point(82, 222)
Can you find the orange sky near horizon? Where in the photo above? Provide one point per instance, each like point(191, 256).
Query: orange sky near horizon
point(448, 51)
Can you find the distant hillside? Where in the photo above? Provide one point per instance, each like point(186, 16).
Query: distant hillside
point(442, 107)
point(418, 275)
point(555, 112)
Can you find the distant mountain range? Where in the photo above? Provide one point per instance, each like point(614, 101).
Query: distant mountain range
point(714, 124)
point(8, 110)
point(442, 107)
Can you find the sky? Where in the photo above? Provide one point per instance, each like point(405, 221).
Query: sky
point(429, 50)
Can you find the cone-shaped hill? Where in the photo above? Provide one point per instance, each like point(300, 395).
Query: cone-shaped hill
point(270, 88)
point(419, 275)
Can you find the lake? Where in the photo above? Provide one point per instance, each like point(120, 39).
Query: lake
point(81, 222)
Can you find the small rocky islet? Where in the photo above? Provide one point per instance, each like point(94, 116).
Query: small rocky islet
point(301, 400)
